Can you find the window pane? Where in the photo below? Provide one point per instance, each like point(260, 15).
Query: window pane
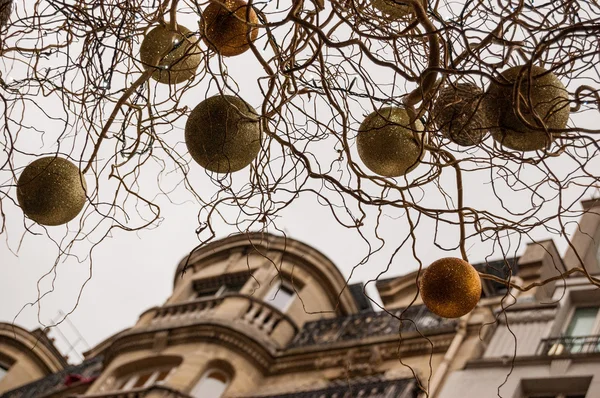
point(163, 374)
point(280, 297)
point(142, 379)
point(213, 385)
point(582, 322)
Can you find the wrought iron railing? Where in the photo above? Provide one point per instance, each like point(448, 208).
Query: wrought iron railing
point(569, 345)
point(399, 388)
point(371, 324)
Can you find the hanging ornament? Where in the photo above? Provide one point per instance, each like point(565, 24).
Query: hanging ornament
point(226, 28)
point(174, 54)
point(541, 94)
point(450, 287)
point(6, 7)
point(460, 113)
point(395, 9)
point(51, 191)
point(387, 145)
point(223, 134)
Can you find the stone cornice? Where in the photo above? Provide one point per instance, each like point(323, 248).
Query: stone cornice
point(365, 353)
point(529, 315)
point(207, 331)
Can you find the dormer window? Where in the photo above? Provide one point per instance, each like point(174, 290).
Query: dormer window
point(3, 371)
point(281, 296)
point(220, 285)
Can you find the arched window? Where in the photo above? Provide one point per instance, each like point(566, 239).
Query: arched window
point(212, 384)
point(143, 373)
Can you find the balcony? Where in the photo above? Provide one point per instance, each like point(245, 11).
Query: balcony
point(399, 388)
point(185, 313)
point(235, 309)
point(569, 345)
point(373, 324)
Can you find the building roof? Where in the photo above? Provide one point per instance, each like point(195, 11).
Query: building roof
point(89, 369)
point(371, 324)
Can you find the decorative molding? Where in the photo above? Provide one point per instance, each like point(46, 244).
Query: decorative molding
point(559, 367)
point(160, 341)
point(531, 315)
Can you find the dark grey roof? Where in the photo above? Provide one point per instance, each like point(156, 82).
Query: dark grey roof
point(371, 324)
point(90, 368)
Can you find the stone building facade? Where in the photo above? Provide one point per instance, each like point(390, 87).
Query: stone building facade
point(258, 315)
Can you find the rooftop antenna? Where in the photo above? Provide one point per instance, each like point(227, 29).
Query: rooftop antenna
point(71, 345)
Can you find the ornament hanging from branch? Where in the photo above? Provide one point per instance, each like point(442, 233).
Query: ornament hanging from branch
point(460, 113)
point(51, 191)
point(174, 54)
point(226, 29)
point(542, 100)
point(386, 143)
point(223, 134)
point(450, 287)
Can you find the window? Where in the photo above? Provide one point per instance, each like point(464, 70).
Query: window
point(281, 296)
point(583, 322)
point(142, 373)
point(579, 333)
point(143, 379)
point(212, 384)
point(221, 285)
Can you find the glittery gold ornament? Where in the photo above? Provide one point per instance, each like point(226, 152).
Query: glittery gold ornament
point(174, 54)
point(543, 95)
point(460, 113)
point(450, 287)
point(396, 9)
point(6, 7)
point(226, 29)
point(386, 144)
point(223, 134)
point(51, 191)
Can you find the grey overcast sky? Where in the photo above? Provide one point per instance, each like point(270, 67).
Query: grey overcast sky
point(133, 271)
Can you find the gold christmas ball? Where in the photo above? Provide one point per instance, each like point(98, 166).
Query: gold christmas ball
point(396, 9)
point(225, 29)
point(51, 191)
point(450, 287)
point(174, 55)
point(386, 143)
point(549, 101)
point(223, 134)
point(460, 113)
point(6, 7)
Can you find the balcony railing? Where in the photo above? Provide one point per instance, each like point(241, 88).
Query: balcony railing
point(372, 324)
point(569, 345)
point(265, 317)
point(400, 388)
point(185, 312)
